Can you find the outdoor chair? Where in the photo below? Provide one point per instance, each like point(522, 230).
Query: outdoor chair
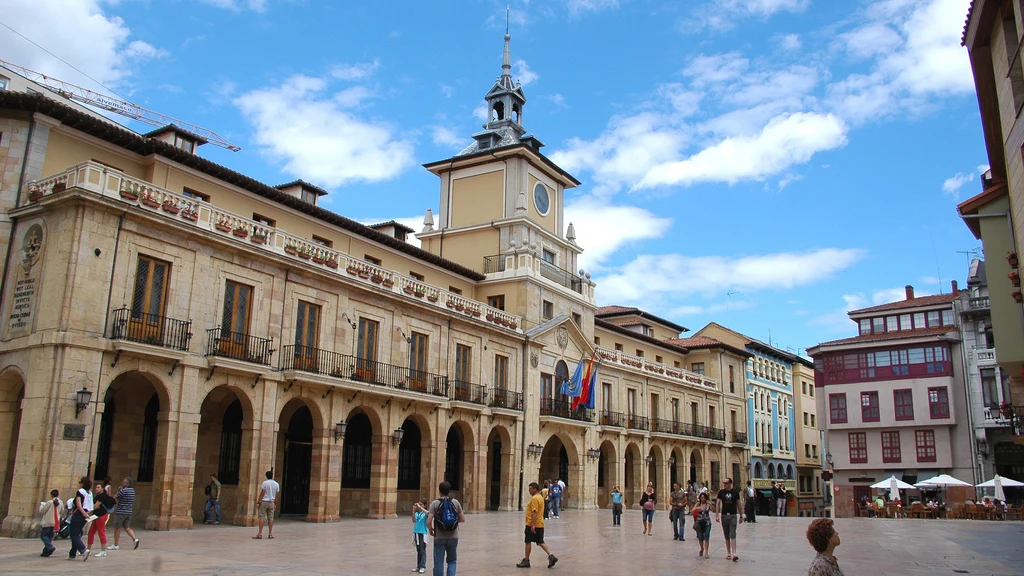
point(956, 512)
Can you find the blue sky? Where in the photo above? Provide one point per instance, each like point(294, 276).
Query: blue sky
point(765, 164)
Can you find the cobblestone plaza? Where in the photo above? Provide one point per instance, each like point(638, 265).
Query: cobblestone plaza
point(584, 541)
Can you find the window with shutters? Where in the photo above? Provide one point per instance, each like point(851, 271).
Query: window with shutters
point(925, 444)
point(500, 372)
point(837, 408)
point(418, 361)
point(366, 350)
point(463, 363)
point(858, 447)
point(149, 299)
point(307, 335)
point(938, 402)
point(903, 400)
point(891, 447)
point(234, 327)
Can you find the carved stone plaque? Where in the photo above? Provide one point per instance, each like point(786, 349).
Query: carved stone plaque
point(74, 432)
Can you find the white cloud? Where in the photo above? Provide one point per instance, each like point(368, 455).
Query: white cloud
point(558, 100)
point(661, 276)
point(351, 72)
point(786, 140)
point(523, 73)
point(80, 32)
point(765, 7)
point(316, 138)
point(790, 42)
point(603, 228)
point(447, 91)
point(255, 5)
point(578, 6)
point(871, 39)
point(480, 112)
point(448, 138)
point(716, 308)
point(837, 321)
point(982, 168)
point(716, 68)
point(953, 184)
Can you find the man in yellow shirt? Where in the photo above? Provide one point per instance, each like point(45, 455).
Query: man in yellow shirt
point(535, 527)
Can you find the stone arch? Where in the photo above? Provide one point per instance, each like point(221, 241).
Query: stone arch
point(362, 484)
point(498, 111)
point(133, 413)
point(415, 462)
point(607, 473)
point(224, 446)
point(459, 457)
point(677, 466)
point(757, 470)
point(771, 471)
point(560, 459)
point(12, 391)
point(656, 471)
point(789, 471)
point(696, 472)
point(499, 469)
point(300, 426)
point(633, 484)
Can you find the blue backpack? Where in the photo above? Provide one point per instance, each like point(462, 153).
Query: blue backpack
point(447, 518)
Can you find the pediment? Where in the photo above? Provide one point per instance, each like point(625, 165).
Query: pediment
point(560, 337)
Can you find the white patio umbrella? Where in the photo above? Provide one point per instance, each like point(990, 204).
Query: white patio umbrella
point(942, 480)
point(887, 483)
point(998, 482)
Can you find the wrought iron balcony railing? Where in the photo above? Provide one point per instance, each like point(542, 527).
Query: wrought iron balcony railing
point(136, 326)
point(560, 276)
point(766, 448)
point(637, 422)
point(609, 418)
point(494, 264)
point(505, 398)
point(664, 426)
point(467, 392)
point(739, 437)
point(325, 362)
point(563, 409)
point(239, 346)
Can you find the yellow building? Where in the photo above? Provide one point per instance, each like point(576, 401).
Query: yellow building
point(168, 318)
point(809, 487)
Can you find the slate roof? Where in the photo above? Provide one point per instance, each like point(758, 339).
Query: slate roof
point(613, 311)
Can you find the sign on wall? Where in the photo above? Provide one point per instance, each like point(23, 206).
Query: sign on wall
point(25, 281)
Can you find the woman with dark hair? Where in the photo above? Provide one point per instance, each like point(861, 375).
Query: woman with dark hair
point(104, 505)
point(824, 539)
point(702, 524)
point(647, 503)
point(80, 510)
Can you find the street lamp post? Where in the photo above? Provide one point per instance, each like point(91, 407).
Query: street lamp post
point(829, 507)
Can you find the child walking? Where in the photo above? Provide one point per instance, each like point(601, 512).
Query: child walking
point(419, 535)
point(51, 511)
point(616, 507)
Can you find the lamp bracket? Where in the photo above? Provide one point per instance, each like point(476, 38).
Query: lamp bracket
point(117, 356)
point(407, 406)
point(290, 384)
point(385, 405)
point(434, 410)
point(493, 416)
point(173, 367)
point(543, 426)
point(210, 375)
point(330, 389)
point(354, 396)
point(256, 381)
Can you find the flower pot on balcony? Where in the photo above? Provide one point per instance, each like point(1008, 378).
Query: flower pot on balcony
point(332, 263)
point(376, 278)
point(419, 294)
point(1014, 278)
point(490, 317)
point(304, 255)
point(59, 187)
point(1017, 296)
point(35, 195)
point(512, 325)
point(170, 208)
point(408, 289)
point(432, 298)
point(352, 270)
point(149, 201)
point(388, 283)
point(258, 239)
point(1011, 257)
point(129, 195)
point(318, 259)
point(223, 227)
point(363, 274)
point(190, 215)
point(459, 307)
point(290, 249)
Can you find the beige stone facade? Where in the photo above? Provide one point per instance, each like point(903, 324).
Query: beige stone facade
point(220, 325)
point(810, 495)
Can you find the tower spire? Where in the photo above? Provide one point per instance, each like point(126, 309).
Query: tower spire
point(506, 57)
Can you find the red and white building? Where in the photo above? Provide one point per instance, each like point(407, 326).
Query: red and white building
point(892, 399)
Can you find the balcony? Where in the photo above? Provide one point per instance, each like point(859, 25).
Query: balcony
point(979, 303)
point(766, 448)
point(150, 329)
point(739, 437)
point(985, 356)
point(493, 264)
point(662, 426)
point(504, 399)
point(616, 419)
point(375, 374)
point(634, 422)
point(563, 409)
point(467, 392)
point(656, 369)
point(241, 230)
point(238, 346)
point(563, 277)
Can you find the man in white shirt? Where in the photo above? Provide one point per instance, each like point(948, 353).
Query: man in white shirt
point(267, 503)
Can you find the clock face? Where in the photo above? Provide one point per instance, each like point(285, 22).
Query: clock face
point(541, 198)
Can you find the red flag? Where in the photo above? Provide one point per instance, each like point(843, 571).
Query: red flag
point(582, 398)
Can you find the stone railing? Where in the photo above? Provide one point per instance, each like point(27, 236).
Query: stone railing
point(984, 354)
point(111, 183)
point(657, 368)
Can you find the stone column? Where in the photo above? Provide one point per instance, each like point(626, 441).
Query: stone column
point(174, 472)
point(324, 503)
point(383, 485)
point(248, 489)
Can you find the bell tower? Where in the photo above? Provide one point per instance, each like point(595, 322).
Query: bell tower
point(505, 101)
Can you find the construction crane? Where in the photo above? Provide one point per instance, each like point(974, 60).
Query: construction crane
point(117, 106)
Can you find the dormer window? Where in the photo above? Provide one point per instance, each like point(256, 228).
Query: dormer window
point(308, 196)
point(3, 83)
point(184, 143)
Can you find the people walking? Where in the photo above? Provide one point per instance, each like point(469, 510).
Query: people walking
point(123, 513)
point(419, 535)
point(267, 504)
point(50, 514)
point(534, 533)
point(726, 513)
point(104, 505)
point(545, 493)
point(81, 507)
point(555, 490)
point(677, 515)
point(823, 538)
point(443, 519)
point(648, 502)
point(212, 515)
point(702, 524)
point(616, 507)
point(750, 504)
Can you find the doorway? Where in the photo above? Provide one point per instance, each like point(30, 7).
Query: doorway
point(494, 465)
point(298, 458)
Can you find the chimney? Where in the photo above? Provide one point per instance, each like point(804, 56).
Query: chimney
point(910, 292)
point(956, 287)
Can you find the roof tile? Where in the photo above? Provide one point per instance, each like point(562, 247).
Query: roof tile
point(890, 336)
point(911, 303)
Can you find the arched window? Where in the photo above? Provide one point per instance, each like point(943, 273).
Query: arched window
point(499, 111)
point(409, 457)
point(453, 458)
point(561, 375)
point(230, 444)
point(147, 450)
point(757, 470)
point(106, 434)
point(771, 471)
point(355, 469)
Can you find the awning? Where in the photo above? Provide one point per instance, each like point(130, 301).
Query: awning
point(766, 493)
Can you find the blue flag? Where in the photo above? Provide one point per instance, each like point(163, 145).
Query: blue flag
point(573, 387)
point(591, 387)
